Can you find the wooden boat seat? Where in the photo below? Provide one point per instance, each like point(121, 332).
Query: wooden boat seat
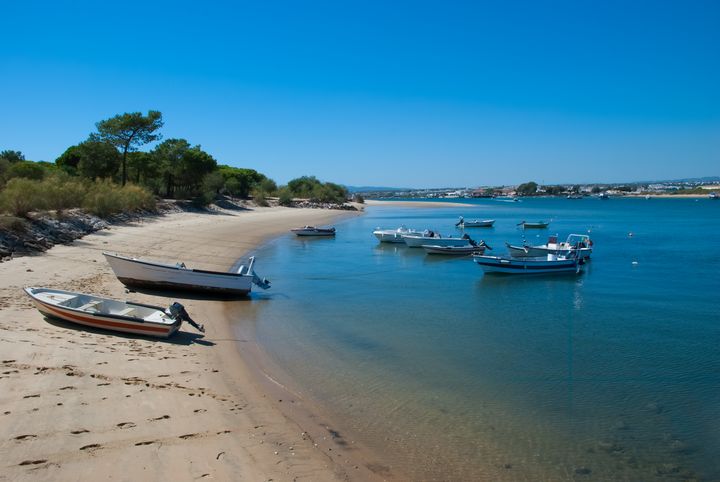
point(126, 311)
point(92, 305)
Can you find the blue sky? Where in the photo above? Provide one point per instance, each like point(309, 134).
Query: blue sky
point(392, 93)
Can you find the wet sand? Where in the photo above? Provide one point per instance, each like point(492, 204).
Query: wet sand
point(79, 404)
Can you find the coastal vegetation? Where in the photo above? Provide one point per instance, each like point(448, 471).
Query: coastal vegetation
point(107, 173)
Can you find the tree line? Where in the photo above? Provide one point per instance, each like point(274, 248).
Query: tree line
point(174, 168)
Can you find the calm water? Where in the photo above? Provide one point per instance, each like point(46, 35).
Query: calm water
point(610, 375)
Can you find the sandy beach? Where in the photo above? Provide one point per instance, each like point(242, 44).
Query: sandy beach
point(79, 404)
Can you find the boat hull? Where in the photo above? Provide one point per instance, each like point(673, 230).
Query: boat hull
point(311, 231)
point(145, 274)
point(534, 225)
point(106, 321)
point(495, 264)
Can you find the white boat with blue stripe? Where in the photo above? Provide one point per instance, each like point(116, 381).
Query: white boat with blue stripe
point(549, 264)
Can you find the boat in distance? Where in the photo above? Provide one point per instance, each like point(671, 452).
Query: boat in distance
point(109, 314)
point(393, 235)
point(152, 274)
point(574, 242)
point(313, 231)
point(475, 223)
point(537, 225)
point(548, 264)
point(435, 239)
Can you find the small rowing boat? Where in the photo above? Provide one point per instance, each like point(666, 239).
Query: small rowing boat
point(109, 314)
point(454, 250)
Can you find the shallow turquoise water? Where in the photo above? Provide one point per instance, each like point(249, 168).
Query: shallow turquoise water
point(610, 375)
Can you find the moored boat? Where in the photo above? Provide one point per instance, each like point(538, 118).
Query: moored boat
point(537, 225)
point(435, 239)
point(574, 242)
point(455, 250)
point(313, 231)
point(548, 264)
point(714, 196)
point(475, 223)
point(152, 274)
point(393, 235)
point(109, 314)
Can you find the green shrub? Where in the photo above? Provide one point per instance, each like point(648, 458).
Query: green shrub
point(285, 197)
point(12, 223)
point(105, 199)
point(260, 197)
point(21, 196)
point(61, 192)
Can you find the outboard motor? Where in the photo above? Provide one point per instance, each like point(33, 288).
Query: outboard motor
point(178, 313)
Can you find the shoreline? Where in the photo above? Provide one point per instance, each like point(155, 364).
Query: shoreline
point(79, 402)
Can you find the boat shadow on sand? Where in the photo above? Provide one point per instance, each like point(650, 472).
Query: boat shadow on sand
point(180, 338)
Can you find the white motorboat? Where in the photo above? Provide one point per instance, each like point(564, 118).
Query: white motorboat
point(313, 231)
point(475, 223)
point(393, 235)
point(714, 196)
point(574, 242)
point(434, 239)
point(152, 274)
point(548, 264)
point(109, 314)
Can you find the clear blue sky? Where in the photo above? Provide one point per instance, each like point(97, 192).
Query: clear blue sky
point(392, 93)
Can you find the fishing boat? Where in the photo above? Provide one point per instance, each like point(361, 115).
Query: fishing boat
point(574, 242)
point(313, 231)
point(475, 223)
point(393, 235)
point(714, 196)
point(604, 196)
point(432, 238)
point(537, 225)
point(109, 314)
point(152, 274)
point(472, 248)
point(548, 264)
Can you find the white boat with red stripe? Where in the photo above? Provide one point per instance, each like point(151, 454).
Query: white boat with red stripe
point(109, 314)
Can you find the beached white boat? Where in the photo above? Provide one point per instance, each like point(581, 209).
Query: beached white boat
point(537, 225)
point(475, 223)
point(109, 314)
point(434, 239)
point(548, 264)
point(151, 274)
point(574, 242)
point(393, 235)
point(313, 231)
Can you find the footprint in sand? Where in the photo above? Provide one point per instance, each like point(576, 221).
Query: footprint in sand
point(148, 442)
point(91, 447)
point(199, 410)
point(24, 437)
point(126, 425)
point(32, 462)
point(31, 396)
point(68, 388)
point(78, 432)
point(189, 435)
point(162, 417)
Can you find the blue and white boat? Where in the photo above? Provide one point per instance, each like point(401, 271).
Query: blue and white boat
point(549, 264)
point(433, 238)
